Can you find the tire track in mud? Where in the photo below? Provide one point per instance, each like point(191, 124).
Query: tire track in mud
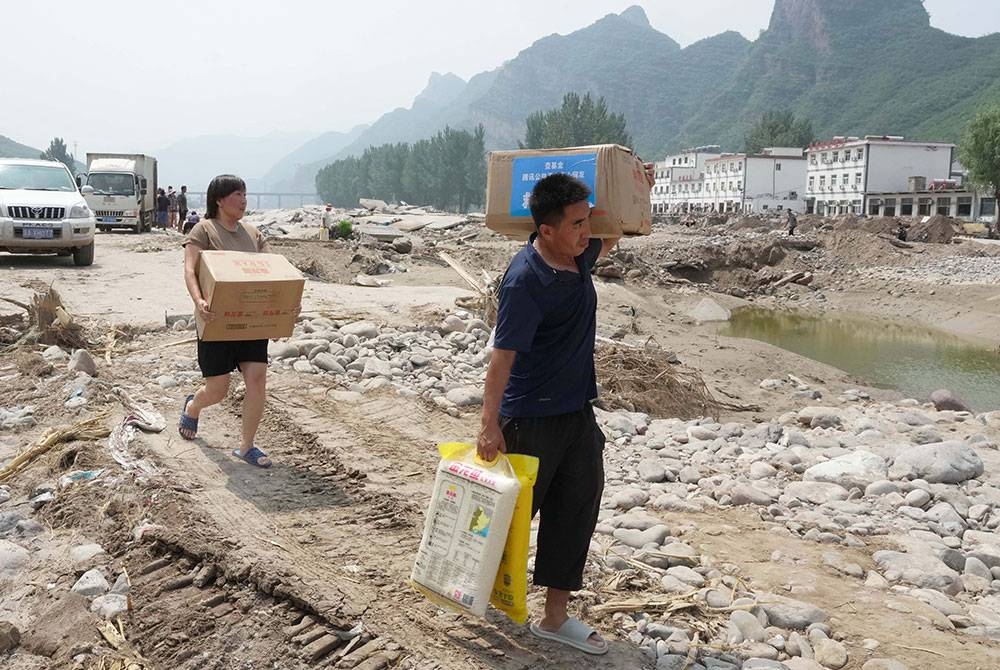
point(331, 530)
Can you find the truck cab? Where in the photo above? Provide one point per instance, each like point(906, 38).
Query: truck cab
point(43, 212)
point(120, 189)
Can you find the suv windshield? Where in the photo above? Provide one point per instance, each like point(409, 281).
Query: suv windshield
point(36, 178)
point(111, 183)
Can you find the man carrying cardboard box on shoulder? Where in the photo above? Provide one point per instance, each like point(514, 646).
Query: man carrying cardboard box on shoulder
point(539, 388)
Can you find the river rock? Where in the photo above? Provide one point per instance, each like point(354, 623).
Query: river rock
point(362, 329)
point(84, 552)
point(637, 539)
point(91, 584)
point(452, 324)
point(830, 654)
point(328, 362)
point(376, 367)
point(629, 497)
point(745, 494)
point(798, 663)
point(973, 566)
point(82, 361)
point(917, 498)
point(817, 493)
point(943, 399)
point(652, 470)
point(856, 469)
point(746, 626)
point(465, 396)
point(943, 462)
point(919, 569)
point(819, 417)
point(304, 367)
point(762, 470)
point(282, 350)
point(763, 664)
point(792, 614)
point(110, 605)
point(12, 558)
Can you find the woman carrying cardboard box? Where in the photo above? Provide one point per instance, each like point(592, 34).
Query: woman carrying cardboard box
point(223, 230)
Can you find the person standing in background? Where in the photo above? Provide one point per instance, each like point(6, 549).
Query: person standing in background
point(171, 208)
point(162, 209)
point(182, 207)
point(327, 224)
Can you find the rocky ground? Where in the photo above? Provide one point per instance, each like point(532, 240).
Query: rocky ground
point(817, 523)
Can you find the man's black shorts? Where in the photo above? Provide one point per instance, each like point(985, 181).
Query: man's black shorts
point(221, 358)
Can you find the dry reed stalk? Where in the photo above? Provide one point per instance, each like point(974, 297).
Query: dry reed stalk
point(91, 429)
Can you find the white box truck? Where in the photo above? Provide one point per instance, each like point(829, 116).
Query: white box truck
point(121, 189)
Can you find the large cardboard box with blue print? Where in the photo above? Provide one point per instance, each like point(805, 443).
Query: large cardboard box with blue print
point(615, 175)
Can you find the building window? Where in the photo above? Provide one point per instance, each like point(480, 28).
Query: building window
point(906, 207)
point(857, 179)
point(822, 181)
point(811, 183)
point(965, 206)
point(833, 180)
point(873, 206)
point(812, 159)
point(856, 207)
point(825, 157)
point(859, 154)
point(988, 207)
point(739, 167)
point(924, 206)
point(890, 207)
point(847, 179)
point(944, 206)
point(777, 167)
point(836, 156)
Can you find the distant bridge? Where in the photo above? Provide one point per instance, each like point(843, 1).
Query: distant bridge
point(196, 200)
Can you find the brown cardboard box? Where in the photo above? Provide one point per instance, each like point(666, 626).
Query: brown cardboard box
point(616, 176)
point(253, 296)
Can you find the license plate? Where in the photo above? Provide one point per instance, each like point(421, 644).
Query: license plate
point(37, 233)
point(109, 219)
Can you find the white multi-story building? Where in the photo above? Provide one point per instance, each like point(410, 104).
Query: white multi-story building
point(717, 182)
point(843, 172)
point(676, 171)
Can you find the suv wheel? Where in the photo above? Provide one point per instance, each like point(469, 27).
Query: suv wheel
point(84, 255)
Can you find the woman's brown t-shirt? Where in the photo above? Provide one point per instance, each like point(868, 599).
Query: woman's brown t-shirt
point(209, 235)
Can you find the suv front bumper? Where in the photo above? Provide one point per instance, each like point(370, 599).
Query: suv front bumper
point(19, 236)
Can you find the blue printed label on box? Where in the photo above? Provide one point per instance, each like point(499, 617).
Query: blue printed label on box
point(530, 170)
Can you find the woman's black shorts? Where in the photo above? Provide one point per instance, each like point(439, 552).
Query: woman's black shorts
point(221, 358)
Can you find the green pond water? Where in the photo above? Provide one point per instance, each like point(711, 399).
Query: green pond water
point(911, 359)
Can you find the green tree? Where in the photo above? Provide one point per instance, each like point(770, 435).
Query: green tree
point(980, 154)
point(57, 151)
point(447, 171)
point(778, 129)
point(578, 122)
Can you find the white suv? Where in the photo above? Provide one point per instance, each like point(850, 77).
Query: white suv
point(42, 211)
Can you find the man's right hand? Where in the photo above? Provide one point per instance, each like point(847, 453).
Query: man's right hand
point(490, 441)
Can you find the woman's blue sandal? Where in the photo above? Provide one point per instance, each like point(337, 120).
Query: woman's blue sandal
point(188, 423)
point(252, 457)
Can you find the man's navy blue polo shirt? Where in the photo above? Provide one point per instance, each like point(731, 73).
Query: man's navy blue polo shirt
point(549, 317)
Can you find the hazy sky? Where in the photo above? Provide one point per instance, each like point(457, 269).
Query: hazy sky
point(135, 75)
